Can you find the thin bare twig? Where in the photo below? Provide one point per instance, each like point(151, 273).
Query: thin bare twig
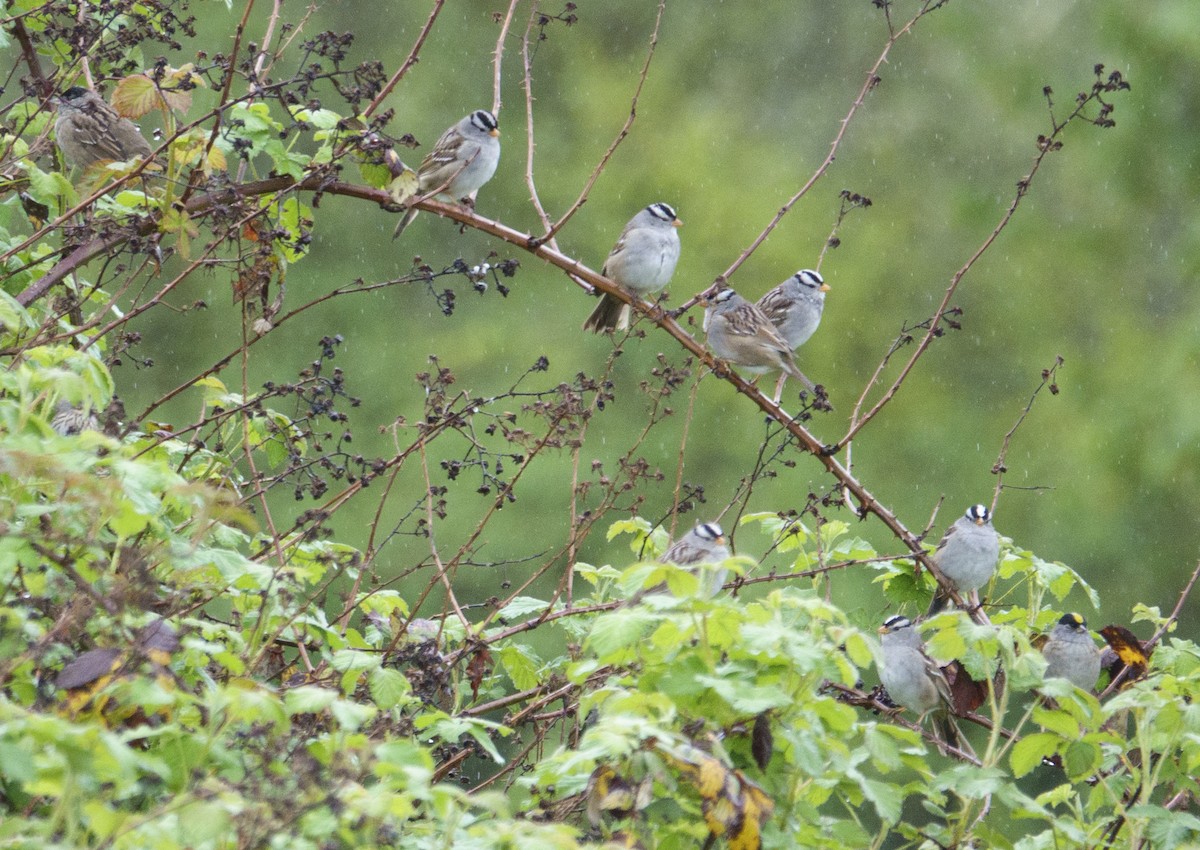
point(871, 81)
point(413, 56)
point(531, 145)
point(498, 55)
point(1171, 620)
point(999, 468)
point(1047, 144)
point(599, 169)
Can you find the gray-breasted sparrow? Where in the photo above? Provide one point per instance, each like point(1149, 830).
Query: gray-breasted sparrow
point(794, 308)
point(914, 680)
point(742, 334)
point(1071, 653)
point(967, 555)
point(642, 261)
point(88, 130)
point(704, 544)
point(462, 160)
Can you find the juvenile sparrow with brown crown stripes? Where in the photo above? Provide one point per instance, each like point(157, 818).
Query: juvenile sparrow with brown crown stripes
point(462, 160)
point(642, 262)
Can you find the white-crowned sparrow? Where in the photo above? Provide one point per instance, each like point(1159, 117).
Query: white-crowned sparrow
point(967, 555)
point(88, 130)
point(794, 308)
point(69, 420)
point(642, 261)
point(914, 680)
point(704, 544)
point(462, 160)
point(742, 334)
point(1071, 653)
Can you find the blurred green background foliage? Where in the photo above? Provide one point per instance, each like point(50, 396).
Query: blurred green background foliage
point(741, 103)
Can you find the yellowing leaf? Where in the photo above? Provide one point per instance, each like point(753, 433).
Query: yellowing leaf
point(136, 96)
point(403, 187)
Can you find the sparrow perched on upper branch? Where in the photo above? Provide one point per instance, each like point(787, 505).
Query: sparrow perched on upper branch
point(642, 261)
point(462, 160)
point(794, 308)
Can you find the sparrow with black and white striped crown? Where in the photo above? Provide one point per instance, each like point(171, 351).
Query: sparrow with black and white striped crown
point(642, 262)
point(462, 160)
point(1071, 653)
point(794, 308)
point(914, 680)
point(740, 333)
point(967, 555)
point(704, 544)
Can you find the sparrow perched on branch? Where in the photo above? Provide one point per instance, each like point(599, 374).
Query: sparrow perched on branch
point(741, 333)
point(704, 544)
point(642, 262)
point(794, 308)
point(967, 555)
point(1071, 653)
point(88, 130)
point(70, 420)
point(914, 680)
point(462, 160)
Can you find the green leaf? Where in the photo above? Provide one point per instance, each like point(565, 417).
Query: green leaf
point(1058, 722)
point(1030, 750)
point(1081, 759)
point(521, 665)
point(308, 699)
point(388, 687)
point(886, 797)
point(296, 221)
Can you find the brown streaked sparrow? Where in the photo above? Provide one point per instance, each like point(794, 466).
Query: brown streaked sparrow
point(88, 130)
point(70, 420)
point(741, 333)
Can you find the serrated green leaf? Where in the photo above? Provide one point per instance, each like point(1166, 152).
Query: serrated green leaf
point(1030, 750)
point(308, 699)
point(521, 665)
point(388, 687)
